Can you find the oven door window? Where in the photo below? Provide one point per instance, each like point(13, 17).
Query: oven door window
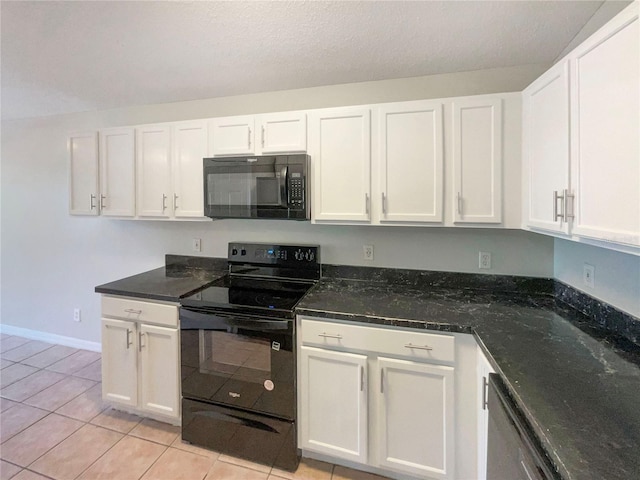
point(242, 368)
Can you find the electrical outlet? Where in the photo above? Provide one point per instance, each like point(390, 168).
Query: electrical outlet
point(484, 260)
point(589, 275)
point(196, 245)
point(367, 251)
point(76, 314)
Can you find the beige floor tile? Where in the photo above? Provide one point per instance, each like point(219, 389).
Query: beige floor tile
point(5, 363)
point(31, 385)
point(28, 475)
point(13, 373)
point(156, 431)
point(49, 356)
point(307, 470)
point(6, 404)
point(92, 371)
point(17, 419)
point(86, 406)
point(10, 343)
point(128, 459)
point(4, 336)
point(228, 471)
point(32, 442)
point(344, 473)
point(8, 470)
point(115, 420)
point(241, 462)
point(180, 444)
point(74, 362)
point(62, 392)
point(176, 464)
point(72, 456)
point(26, 350)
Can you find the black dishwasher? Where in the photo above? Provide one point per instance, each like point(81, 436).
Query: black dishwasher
point(513, 453)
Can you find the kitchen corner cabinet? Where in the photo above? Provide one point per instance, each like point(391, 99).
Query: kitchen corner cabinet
point(340, 146)
point(140, 357)
point(83, 174)
point(411, 160)
point(117, 172)
point(477, 160)
point(484, 369)
point(258, 134)
point(378, 397)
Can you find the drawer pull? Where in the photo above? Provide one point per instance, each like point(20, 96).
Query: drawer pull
point(131, 310)
point(329, 335)
point(418, 347)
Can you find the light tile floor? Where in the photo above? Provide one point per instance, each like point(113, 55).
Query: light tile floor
point(54, 425)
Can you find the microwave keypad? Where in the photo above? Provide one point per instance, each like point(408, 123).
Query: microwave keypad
point(296, 191)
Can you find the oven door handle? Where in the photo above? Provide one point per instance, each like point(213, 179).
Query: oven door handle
point(195, 320)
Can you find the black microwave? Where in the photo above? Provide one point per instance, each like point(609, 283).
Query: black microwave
point(269, 187)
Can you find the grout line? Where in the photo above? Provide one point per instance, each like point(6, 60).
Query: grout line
point(105, 452)
point(154, 462)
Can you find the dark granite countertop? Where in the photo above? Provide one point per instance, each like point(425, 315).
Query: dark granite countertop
point(578, 386)
point(180, 277)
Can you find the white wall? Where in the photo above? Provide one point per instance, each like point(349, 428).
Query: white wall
point(617, 275)
point(51, 261)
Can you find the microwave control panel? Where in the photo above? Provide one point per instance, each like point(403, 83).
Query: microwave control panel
point(295, 187)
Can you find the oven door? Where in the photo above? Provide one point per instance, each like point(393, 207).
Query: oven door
point(237, 361)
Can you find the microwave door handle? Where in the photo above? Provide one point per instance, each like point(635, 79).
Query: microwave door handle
point(284, 187)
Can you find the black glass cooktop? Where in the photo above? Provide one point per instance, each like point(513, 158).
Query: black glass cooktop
point(249, 296)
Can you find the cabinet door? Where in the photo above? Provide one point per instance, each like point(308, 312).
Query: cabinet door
point(333, 416)
point(415, 420)
point(605, 152)
point(189, 148)
point(232, 136)
point(159, 370)
point(340, 142)
point(546, 148)
point(83, 174)
point(283, 132)
point(477, 161)
point(153, 158)
point(484, 369)
point(119, 362)
point(411, 162)
point(117, 172)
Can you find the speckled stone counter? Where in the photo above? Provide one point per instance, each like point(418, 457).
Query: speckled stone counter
point(578, 386)
point(181, 276)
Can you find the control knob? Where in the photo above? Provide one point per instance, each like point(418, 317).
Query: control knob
point(299, 254)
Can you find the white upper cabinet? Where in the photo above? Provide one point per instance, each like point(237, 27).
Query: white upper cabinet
point(410, 162)
point(477, 160)
point(282, 132)
point(605, 153)
point(83, 174)
point(153, 159)
point(117, 172)
point(232, 135)
point(340, 148)
point(189, 148)
point(546, 149)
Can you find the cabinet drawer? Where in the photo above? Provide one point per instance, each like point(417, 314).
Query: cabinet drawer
point(415, 345)
point(140, 311)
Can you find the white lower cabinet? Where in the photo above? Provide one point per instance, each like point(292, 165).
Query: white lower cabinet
point(393, 416)
point(140, 360)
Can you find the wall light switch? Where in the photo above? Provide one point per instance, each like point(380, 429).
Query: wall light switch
point(589, 275)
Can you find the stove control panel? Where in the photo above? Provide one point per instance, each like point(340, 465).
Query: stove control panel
point(271, 254)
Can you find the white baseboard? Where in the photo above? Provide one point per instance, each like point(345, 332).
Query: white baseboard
point(51, 338)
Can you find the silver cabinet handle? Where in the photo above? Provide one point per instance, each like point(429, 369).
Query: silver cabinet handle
point(418, 347)
point(102, 199)
point(140, 344)
point(459, 199)
point(128, 338)
point(558, 215)
point(164, 202)
point(92, 204)
point(565, 207)
point(485, 386)
point(131, 310)
point(384, 203)
point(366, 203)
point(329, 335)
point(175, 201)
point(249, 137)
point(262, 136)
point(382, 380)
point(362, 379)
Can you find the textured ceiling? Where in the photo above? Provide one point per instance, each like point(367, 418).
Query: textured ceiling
point(60, 57)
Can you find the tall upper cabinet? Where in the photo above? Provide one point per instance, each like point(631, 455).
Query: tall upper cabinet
point(153, 160)
point(117, 172)
point(83, 174)
point(581, 144)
